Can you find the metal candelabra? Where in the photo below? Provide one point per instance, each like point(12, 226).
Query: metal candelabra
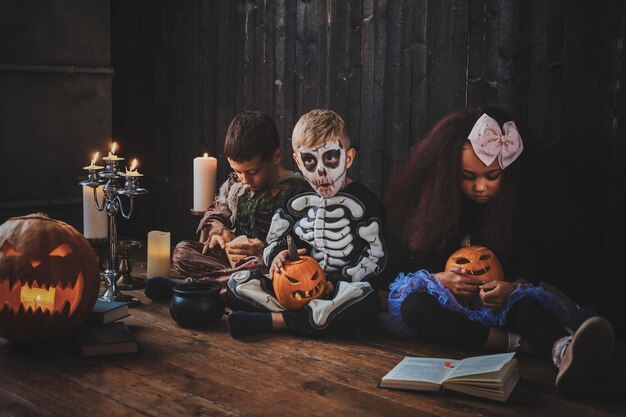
point(111, 177)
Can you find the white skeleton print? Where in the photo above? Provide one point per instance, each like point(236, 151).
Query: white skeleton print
point(326, 227)
point(278, 228)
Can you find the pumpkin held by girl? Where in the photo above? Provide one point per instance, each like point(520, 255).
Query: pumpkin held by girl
point(49, 278)
point(477, 261)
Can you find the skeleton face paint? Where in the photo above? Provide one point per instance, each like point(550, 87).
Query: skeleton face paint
point(324, 166)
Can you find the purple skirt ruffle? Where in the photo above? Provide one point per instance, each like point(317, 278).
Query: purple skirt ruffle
point(564, 310)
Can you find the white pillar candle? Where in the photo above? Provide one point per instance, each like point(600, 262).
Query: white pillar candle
point(204, 172)
point(95, 223)
point(158, 253)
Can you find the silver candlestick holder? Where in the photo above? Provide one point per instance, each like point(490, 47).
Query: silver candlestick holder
point(112, 202)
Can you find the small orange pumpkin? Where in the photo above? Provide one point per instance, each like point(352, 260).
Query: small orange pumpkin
point(49, 278)
point(478, 261)
point(301, 281)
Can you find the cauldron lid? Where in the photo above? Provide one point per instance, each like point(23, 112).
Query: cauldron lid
point(197, 288)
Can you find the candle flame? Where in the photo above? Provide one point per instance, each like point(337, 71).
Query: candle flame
point(95, 158)
point(133, 165)
point(206, 155)
point(113, 147)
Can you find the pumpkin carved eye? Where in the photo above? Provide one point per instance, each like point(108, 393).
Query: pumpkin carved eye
point(485, 257)
point(314, 276)
point(61, 251)
point(8, 249)
point(292, 280)
point(462, 261)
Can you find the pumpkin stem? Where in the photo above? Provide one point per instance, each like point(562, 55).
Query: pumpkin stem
point(293, 250)
point(466, 241)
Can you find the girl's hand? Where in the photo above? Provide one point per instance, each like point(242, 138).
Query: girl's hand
point(280, 260)
point(459, 283)
point(494, 294)
point(219, 239)
point(254, 247)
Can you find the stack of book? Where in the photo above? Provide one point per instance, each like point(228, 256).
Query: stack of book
point(103, 333)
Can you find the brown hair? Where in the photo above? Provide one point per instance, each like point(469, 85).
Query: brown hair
point(424, 199)
point(251, 134)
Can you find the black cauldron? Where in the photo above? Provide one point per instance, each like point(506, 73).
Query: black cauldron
point(196, 304)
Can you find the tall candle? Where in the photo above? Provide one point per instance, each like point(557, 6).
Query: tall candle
point(158, 253)
point(204, 171)
point(95, 223)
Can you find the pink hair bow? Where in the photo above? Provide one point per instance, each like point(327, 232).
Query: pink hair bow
point(490, 142)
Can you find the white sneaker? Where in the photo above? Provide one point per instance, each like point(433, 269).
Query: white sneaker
point(578, 356)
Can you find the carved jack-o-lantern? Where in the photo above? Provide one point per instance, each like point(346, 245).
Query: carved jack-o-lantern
point(301, 281)
point(49, 278)
point(478, 261)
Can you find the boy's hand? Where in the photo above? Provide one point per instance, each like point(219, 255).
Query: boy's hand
point(493, 294)
point(459, 283)
point(218, 239)
point(254, 247)
point(280, 260)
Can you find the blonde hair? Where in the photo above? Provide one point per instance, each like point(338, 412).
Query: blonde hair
point(317, 126)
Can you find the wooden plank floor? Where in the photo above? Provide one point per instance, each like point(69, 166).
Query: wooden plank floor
point(181, 372)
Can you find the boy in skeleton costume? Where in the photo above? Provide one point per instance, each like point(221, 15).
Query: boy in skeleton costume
point(336, 221)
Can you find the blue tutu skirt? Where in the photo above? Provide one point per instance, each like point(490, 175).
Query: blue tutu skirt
point(564, 310)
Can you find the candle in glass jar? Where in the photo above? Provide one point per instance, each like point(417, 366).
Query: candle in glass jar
point(158, 254)
point(204, 172)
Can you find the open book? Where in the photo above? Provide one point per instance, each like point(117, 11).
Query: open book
point(489, 376)
point(232, 258)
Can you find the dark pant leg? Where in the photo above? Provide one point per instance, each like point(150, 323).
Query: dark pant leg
point(436, 324)
point(238, 303)
point(530, 320)
point(348, 323)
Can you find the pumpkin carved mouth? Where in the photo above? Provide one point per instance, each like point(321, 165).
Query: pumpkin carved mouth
point(23, 296)
point(478, 272)
point(312, 293)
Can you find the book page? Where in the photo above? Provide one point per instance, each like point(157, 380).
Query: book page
point(232, 258)
point(422, 369)
point(481, 364)
point(498, 389)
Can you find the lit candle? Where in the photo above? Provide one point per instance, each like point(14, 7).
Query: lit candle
point(95, 223)
point(111, 156)
point(158, 253)
point(204, 172)
point(92, 166)
point(132, 172)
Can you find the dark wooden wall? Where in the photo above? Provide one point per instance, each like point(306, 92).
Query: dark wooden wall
point(391, 68)
point(55, 102)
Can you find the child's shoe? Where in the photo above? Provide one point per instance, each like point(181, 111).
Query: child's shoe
point(246, 323)
point(579, 355)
